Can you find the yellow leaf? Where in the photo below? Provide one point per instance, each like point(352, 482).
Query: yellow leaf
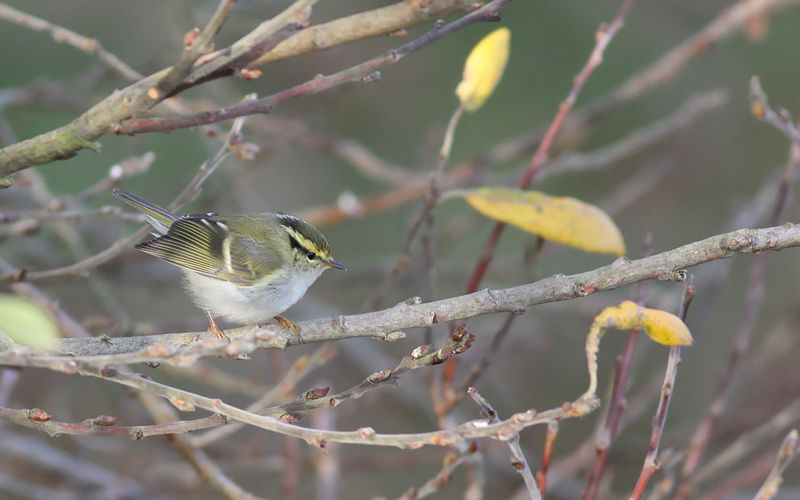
point(665, 328)
point(556, 218)
point(27, 323)
point(484, 69)
point(660, 326)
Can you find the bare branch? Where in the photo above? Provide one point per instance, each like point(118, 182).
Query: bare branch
point(744, 445)
point(754, 300)
point(64, 35)
point(518, 460)
point(382, 324)
point(781, 120)
point(650, 466)
point(190, 191)
point(785, 456)
point(365, 71)
point(603, 38)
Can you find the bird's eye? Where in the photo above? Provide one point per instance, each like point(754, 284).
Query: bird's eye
point(311, 256)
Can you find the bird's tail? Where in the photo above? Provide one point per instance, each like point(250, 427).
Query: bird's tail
point(159, 218)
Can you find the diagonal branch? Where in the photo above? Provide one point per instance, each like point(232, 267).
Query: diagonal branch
point(320, 83)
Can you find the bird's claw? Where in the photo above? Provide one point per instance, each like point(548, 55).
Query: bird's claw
point(287, 324)
point(216, 330)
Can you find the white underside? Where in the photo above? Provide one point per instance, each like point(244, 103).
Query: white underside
point(245, 305)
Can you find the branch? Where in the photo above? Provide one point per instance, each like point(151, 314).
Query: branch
point(650, 466)
point(64, 35)
point(413, 314)
point(360, 72)
point(81, 133)
point(603, 38)
point(785, 456)
point(103, 425)
point(382, 21)
point(781, 119)
point(743, 446)
point(190, 191)
point(754, 301)
point(518, 460)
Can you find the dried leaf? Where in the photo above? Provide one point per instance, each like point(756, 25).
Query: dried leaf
point(27, 323)
point(484, 69)
point(556, 218)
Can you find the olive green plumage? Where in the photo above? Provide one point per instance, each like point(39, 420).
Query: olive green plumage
point(276, 253)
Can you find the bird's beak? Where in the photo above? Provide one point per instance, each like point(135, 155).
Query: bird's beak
point(335, 264)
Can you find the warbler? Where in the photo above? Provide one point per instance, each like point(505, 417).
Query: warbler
point(244, 268)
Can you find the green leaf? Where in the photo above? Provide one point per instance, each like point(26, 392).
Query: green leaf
point(27, 323)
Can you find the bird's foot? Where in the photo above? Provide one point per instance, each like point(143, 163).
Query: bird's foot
point(287, 324)
point(215, 329)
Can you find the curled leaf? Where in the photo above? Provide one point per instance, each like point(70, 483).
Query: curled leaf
point(27, 323)
point(660, 326)
point(559, 219)
point(484, 69)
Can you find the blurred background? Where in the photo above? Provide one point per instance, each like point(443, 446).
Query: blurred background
point(700, 174)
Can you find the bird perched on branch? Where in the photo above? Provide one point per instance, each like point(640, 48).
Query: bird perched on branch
point(244, 268)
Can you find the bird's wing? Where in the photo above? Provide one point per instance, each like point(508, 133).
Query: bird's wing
point(203, 243)
point(159, 218)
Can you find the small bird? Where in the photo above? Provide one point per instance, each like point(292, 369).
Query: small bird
point(244, 268)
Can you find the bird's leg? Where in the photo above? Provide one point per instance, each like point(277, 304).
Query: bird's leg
point(215, 329)
point(287, 324)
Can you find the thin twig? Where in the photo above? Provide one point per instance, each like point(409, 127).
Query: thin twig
point(743, 446)
point(195, 46)
point(64, 35)
point(785, 456)
point(754, 300)
point(299, 370)
point(781, 119)
point(603, 38)
point(102, 425)
point(650, 466)
point(547, 455)
point(159, 410)
point(616, 407)
point(190, 191)
point(452, 461)
point(518, 460)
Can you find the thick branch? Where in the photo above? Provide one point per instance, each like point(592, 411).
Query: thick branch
point(413, 314)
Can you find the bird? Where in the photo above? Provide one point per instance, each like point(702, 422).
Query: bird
point(246, 268)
